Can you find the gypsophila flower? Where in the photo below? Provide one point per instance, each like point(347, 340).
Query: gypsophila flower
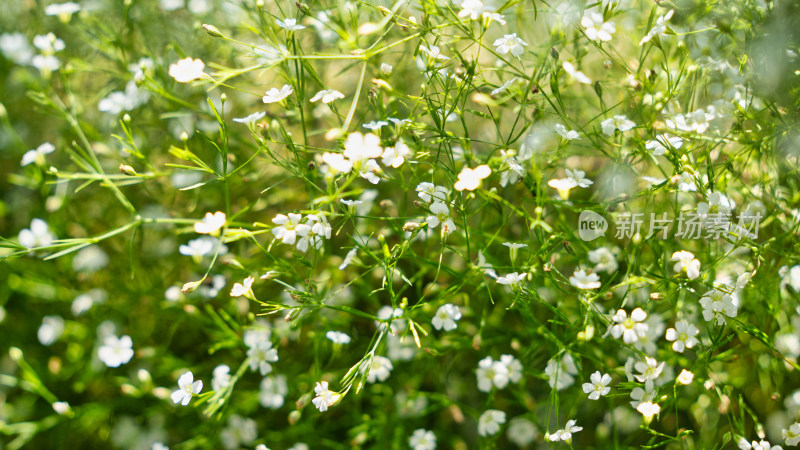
point(683, 336)
point(429, 192)
point(202, 246)
point(337, 337)
point(560, 372)
point(251, 119)
point(604, 260)
point(648, 409)
point(469, 179)
point(116, 351)
point(48, 43)
point(289, 25)
point(491, 373)
point(272, 391)
point(327, 96)
point(510, 43)
point(395, 156)
point(186, 70)
point(489, 422)
point(565, 434)
point(504, 87)
point(440, 214)
point(792, 435)
point(598, 385)
point(649, 369)
point(596, 28)
point(348, 258)
point(521, 431)
point(685, 377)
point(446, 317)
point(757, 445)
point(37, 155)
point(38, 235)
point(239, 432)
point(687, 264)
point(244, 288)
point(379, 369)
point(15, 47)
point(221, 377)
point(620, 123)
point(211, 223)
point(630, 328)
point(422, 439)
point(582, 280)
point(657, 147)
point(289, 228)
point(658, 28)
point(50, 330)
point(260, 355)
point(574, 73)
point(716, 305)
point(187, 388)
point(512, 279)
point(275, 95)
point(325, 397)
point(562, 131)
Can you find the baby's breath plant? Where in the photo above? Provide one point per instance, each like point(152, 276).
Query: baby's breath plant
point(399, 224)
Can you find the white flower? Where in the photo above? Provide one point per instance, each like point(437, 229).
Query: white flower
point(221, 377)
point(348, 258)
point(51, 329)
point(428, 192)
point(440, 214)
point(37, 155)
point(649, 369)
point(38, 235)
point(251, 119)
point(604, 260)
point(684, 336)
point(598, 386)
point(422, 439)
point(275, 95)
point(48, 43)
point(243, 288)
point(289, 25)
point(757, 445)
point(510, 43)
point(596, 28)
point(63, 10)
point(512, 279)
point(491, 373)
point(648, 409)
point(504, 86)
point(685, 377)
point(716, 305)
point(657, 147)
point(565, 434)
point(386, 68)
point(560, 372)
point(375, 125)
point(211, 223)
point(325, 397)
point(578, 176)
point(187, 388)
point(395, 156)
point(116, 351)
point(620, 123)
point(359, 154)
point(261, 355)
point(202, 246)
point(327, 96)
point(187, 70)
point(792, 435)
point(272, 392)
point(61, 407)
point(289, 227)
point(469, 179)
point(489, 422)
point(687, 263)
point(630, 328)
point(46, 63)
point(566, 134)
point(15, 47)
point(583, 281)
point(696, 121)
point(337, 337)
point(640, 395)
point(659, 28)
point(379, 369)
point(521, 431)
point(239, 432)
point(575, 73)
point(446, 317)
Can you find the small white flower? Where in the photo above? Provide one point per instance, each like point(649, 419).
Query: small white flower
point(469, 179)
point(187, 388)
point(579, 177)
point(604, 260)
point(583, 281)
point(15, 47)
point(565, 434)
point(386, 69)
point(575, 73)
point(38, 235)
point(116, 351)
point(63, 10)
point(375, 125)
point(272, 391)
point(202, 246)
point(685, 378)
point(275, 95)
point(491, 373)
point(289, 25)
point(792, 435)
point(325, 397)
point(649, 369)
point(261, 355)
point(243, 288)
point(50, 330)
point(648, 409)
point(684, 336)
point(422, 439)
point(489, 422)
point(687, 264)
point(504, 86)
point(211, 223)
point(512, 279)
point(510, 43)
point(657, 147)
point(395, 156)
point(440, 214)
point(327, 96)
point(221, 377)
point(566, 134)
point(37, 155)
point(428, 192)
point(48, 43)
point(620, 123)
point(251, 119)
point(630, 328)
point(596, 28)
point(348, 258)
point(337, 337)
point(61, 407)
point(289, 227)
point(716, 305)
point(598, 386)
point(659, 28)
point(446, 317)
point(187, 70)
point(560, 372)
point(379, 369)
point(521, 431)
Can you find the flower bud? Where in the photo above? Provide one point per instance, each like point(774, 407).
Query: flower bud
point(212, 30)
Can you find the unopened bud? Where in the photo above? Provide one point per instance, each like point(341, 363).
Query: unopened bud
point(127, 170)
point(212, 30)
point(411, 227)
